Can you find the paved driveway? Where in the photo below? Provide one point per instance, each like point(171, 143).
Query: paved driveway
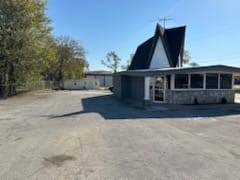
point(90, 135)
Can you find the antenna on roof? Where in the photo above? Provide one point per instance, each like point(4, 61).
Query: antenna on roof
point(163, 19)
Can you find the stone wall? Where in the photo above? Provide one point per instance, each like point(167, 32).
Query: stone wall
point(199, 96)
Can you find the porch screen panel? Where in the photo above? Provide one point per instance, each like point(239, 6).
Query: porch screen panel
point(225, 81)
point(181, 81)
point(196, 81)
point(211, 81)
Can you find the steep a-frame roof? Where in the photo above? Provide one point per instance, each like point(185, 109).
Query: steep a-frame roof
point(142, 56)
point(173, 43)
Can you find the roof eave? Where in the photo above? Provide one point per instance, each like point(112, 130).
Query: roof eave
point(168, 71)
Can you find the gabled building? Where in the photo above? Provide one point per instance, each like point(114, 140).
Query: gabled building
point(104, 77)
point(163, 50)
point(156, 74)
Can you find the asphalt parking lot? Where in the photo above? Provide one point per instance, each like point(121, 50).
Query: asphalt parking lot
point(90, 135)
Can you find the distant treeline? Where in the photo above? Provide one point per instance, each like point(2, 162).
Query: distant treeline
point(28, 50)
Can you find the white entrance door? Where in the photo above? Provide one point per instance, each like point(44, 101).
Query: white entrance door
point(159, 89)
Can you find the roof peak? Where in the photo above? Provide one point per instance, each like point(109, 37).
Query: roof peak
point(161, 29)
point(173, 43)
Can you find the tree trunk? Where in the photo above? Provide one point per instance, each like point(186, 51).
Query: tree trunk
point(5, 87)
point(12, 81)
point(1, 85)
point(61, 75)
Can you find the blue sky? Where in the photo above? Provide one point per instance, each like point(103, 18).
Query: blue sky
point(212, 37)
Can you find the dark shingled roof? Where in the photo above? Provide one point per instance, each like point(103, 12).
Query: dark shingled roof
point(141, 57)
point(173, 42)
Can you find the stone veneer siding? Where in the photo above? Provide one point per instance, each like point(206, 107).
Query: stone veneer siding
point(202, 96)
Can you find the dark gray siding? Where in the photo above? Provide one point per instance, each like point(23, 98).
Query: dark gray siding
point(125, 87)
point(129, 87)
point(137, 88)
point(117, 85)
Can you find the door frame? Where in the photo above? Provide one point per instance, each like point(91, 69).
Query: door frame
point(163, 90)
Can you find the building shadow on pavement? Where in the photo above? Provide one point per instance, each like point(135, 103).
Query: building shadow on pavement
point(112, 109)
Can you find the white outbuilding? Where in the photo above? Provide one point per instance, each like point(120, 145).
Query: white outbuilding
point(105, 77)
point(87, 83)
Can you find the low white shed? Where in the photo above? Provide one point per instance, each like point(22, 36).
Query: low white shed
point(87, 83)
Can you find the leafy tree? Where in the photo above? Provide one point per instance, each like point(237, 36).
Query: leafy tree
point(112, 61)
point(24, 31)
point(48, 57)
point(71, 60)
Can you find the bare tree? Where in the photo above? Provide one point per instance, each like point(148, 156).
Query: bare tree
point(125, 67)
point(112, 61)
point(186, 57)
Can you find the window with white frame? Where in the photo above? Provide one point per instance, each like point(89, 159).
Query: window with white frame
point(197, 81)
point(181, 81)
point(237, 80)
point(225, 81)
point(211, 81)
